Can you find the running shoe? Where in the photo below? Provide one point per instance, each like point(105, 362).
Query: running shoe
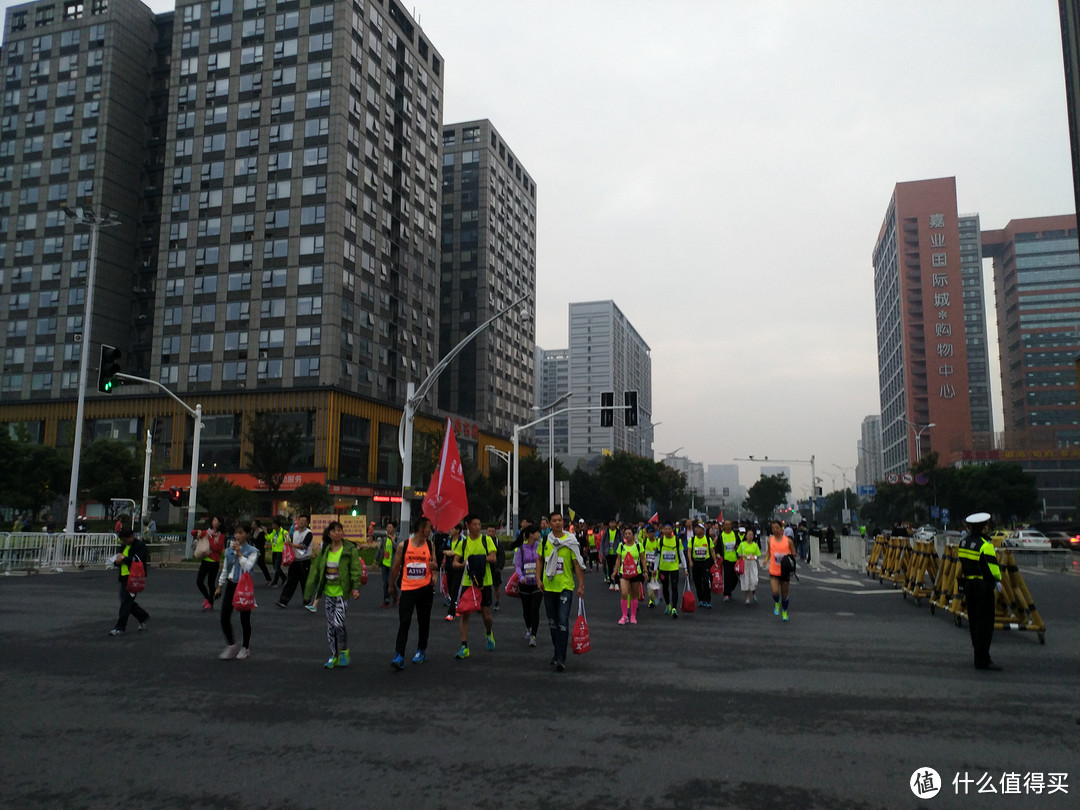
point(331, 663)
point(419, 658)
point(528, 635)
point(783, 616)
point(674, 613)
point(463, 653)
point(206, 604)
point(244, 654)
point(633, 620)
point(449, 618)
point(652, 604)
point(560, 666)
point(398, 663)
point(727, 598)
point(343, 658)
point(532, 641)
point(667, 610)
point(229, 652)
point(310, 608)
point(116, 632)
point(280, 604)
point(490, 641)
point(776, 609)
point(623, 620)
point(142, 624)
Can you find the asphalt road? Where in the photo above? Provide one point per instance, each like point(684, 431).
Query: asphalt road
point(724, 708)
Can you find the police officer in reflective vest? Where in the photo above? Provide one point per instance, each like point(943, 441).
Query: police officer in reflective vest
point(981, 576)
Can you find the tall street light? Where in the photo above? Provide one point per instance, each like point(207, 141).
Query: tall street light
point(505, 457)
point(414, 395)
point(84, 216)
point(551, 447)
point(918, 436)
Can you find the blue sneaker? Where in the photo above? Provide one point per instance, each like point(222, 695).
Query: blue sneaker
point(490, 641)
point(343, 658)
point(331, 663)
point(419, 658)
point(776, 609)
point(398, 663)
point(463, 652)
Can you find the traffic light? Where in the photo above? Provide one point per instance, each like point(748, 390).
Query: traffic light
point(607, 415)
point(355, 511)
point(176, 495)
point(630, 401)
point(109, 365)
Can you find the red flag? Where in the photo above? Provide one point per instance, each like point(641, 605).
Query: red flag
point(655, 517)
point(446, 501)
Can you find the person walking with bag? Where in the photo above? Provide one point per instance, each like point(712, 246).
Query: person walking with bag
point(414, 561)
point(277, 537)
point(240, 557)
point(474, 555)
point(562, 563)
point(780, 546)
point(132, 550)
point(208, 550)
point(335, 575)
point(301, 564)
point(729, 542)
point(631, 572)
point(702, 559)
point(526, 562)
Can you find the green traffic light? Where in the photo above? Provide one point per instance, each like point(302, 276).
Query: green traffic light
point(108, 386)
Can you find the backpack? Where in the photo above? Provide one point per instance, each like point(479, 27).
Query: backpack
point(629, 562)
point(136, 581)
point(787, 566)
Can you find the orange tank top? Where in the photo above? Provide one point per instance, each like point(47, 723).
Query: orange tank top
point(416, 568)
point(779, 547)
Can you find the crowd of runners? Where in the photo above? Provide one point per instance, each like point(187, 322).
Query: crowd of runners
point(650, 564)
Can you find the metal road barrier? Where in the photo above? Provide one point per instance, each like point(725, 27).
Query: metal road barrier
point(35, 551)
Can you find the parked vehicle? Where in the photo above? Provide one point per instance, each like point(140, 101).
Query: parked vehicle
point(926, 533)
point(1028, 539)
point(999, 536)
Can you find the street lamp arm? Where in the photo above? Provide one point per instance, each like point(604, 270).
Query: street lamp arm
point(155, 383)
point(425, 386)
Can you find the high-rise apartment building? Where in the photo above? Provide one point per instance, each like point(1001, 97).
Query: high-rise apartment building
point(921, 316)
point(975, 336)
point(607, 355)
point(1037, 295)
point(76, 82)
point(488, 261)
point(275, 166)
point(870, 468)
point(552, 382)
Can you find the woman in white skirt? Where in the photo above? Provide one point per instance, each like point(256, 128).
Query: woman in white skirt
point(749, 552)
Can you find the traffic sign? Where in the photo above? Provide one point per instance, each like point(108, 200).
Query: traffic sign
point(867, 489)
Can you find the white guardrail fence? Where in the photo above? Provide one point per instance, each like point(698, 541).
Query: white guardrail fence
point(29, 552)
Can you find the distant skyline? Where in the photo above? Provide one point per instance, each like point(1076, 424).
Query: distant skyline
point(720, 170)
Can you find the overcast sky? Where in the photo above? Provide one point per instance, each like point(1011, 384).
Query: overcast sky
point(721, 169)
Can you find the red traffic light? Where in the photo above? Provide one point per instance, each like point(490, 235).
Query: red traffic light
point(176, 494)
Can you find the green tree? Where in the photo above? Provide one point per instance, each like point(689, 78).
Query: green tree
point(767, 493)
point(311, 499)
point(32, 476)
point(273, 446)
point(111, 469)
point(226, 500)
point(628, 480)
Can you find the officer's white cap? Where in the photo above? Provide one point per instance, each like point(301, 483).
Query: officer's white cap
point(978, 517)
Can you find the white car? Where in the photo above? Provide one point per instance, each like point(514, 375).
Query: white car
point(926, 533)
point(1027, 539)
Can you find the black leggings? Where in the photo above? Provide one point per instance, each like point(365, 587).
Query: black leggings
point(703, 580)
point(206, 579)
point(670, 581)
point(419, 599)
point(531, 599)
point(226, 617)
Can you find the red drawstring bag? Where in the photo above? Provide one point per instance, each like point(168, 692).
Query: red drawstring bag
point(579, 639)
point(469, 600)
point(243, 597)
point(716, 574)
point(689, 601)
point(363, 572)
point(512, 586)
point(287, 555)
point(740, 566)
point(136, 581)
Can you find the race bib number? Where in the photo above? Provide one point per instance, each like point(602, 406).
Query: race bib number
point(700, 552)
point(559, 566)
point(416, 570)
point(668, 556)
point(529, 569)
point(650, 557)
point(729, 546)
point(331, 572)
